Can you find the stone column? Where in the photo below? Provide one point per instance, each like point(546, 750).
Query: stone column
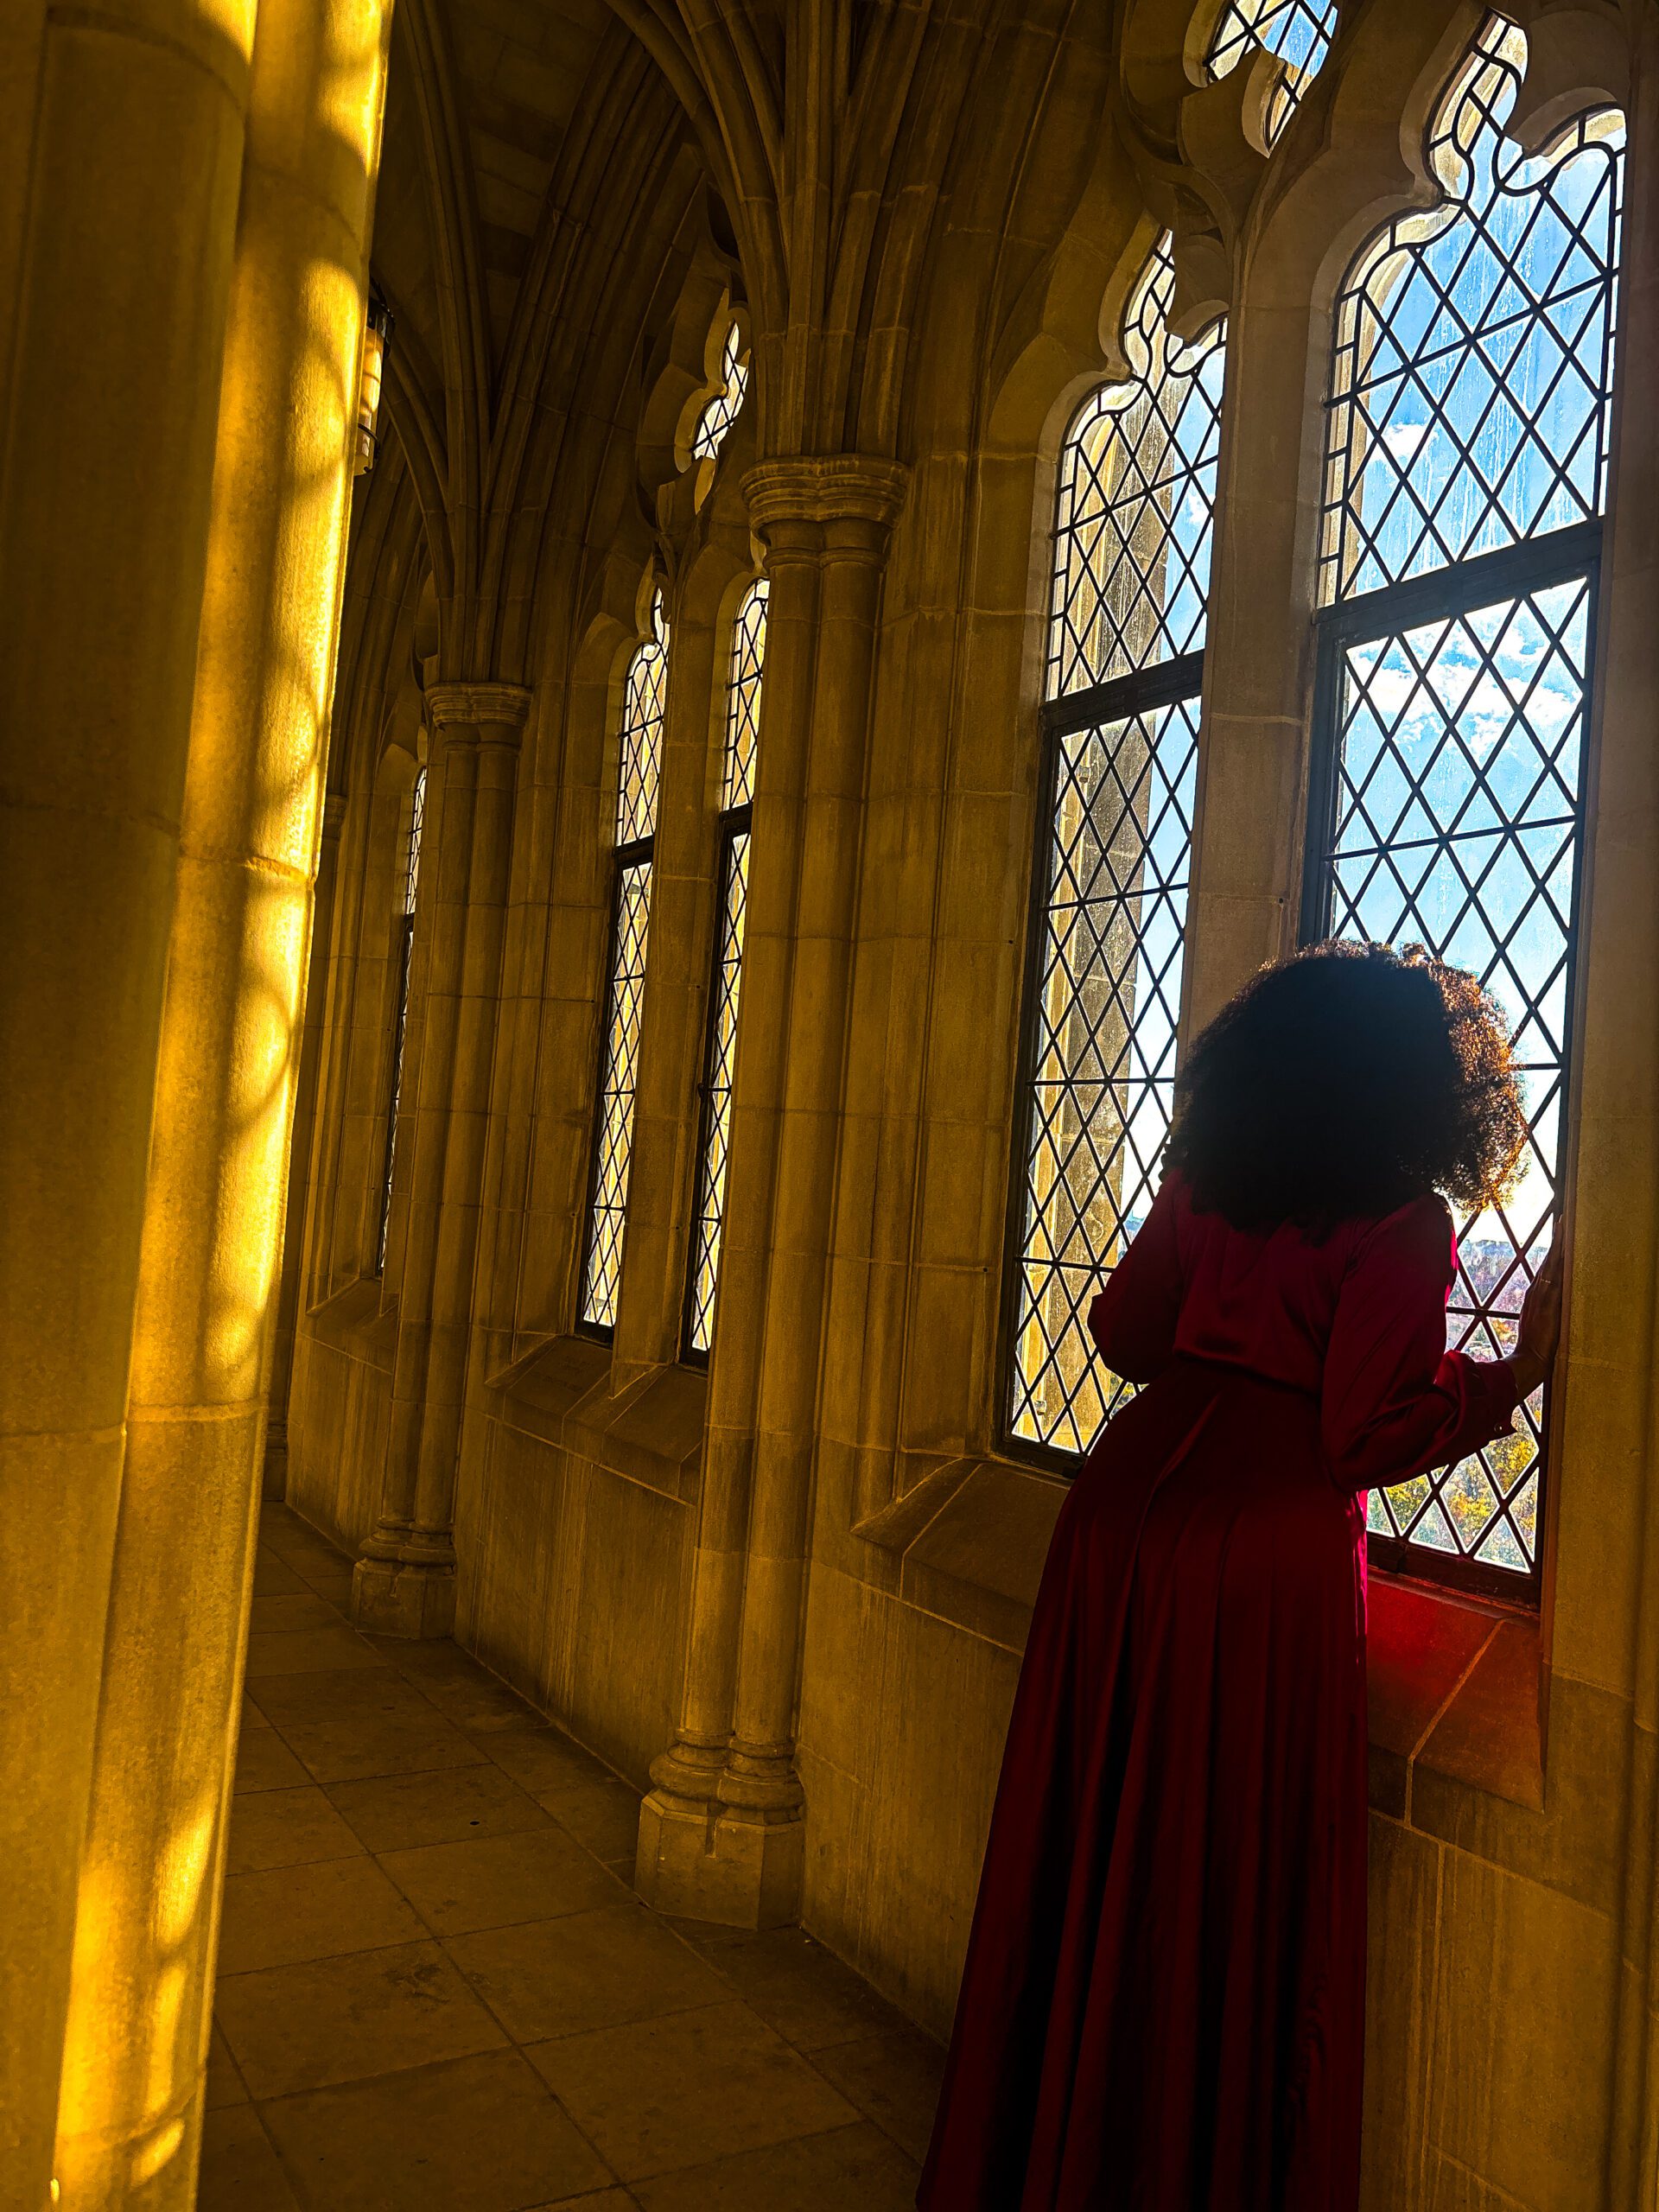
point(722, 1834)
point(120, 156)
point(405, 1581)
point(131, 2099)
point(299, 1166)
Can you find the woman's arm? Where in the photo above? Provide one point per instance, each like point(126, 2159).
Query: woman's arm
point(1133, 1320)
point(1395, 1402)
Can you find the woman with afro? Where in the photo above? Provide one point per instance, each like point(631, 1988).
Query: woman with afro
point(1163, 2006)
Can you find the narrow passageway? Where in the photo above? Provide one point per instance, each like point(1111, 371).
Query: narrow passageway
point(438, 1993)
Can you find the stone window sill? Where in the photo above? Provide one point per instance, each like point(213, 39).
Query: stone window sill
point(352, 1321)
point(650, 1432)
point(1454, 1683)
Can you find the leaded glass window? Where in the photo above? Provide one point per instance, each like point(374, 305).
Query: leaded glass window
point(1130, 582)
point(1298, 31)
point(1465, 476)
point(639, 770)
point(737, 800)
point(405, 939)
point(725, 406)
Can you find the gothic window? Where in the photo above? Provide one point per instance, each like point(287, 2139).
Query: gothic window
point(638, 769)
point(1298, 31)
point(1131, 575)
point(405, 938)
point(726, 405)
point(737, 797)
point(1464, 480)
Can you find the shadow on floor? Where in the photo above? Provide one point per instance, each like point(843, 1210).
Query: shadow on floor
point(438, 1993)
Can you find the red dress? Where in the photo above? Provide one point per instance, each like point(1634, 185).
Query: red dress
point(1163, 2005)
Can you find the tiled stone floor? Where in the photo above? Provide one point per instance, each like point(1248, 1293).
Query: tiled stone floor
point(438, 1993)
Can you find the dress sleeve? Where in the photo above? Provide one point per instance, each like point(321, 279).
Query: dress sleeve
point(1395, 1402)
point(1133, 1319)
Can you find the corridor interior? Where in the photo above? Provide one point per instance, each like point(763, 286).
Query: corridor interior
point(438, 1993)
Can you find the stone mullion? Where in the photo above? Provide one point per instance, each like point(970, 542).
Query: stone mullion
point(652, 1291)
point(404, 1582)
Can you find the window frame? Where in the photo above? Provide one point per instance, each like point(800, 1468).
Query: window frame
point(736, 824)
point(411, 872)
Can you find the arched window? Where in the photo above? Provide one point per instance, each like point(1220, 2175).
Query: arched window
point(400, 1019)
point(726, 405)
point(737, 799)
point(1465, 480)
point(638, 769)
point(1120, 731)
point(1298, 31)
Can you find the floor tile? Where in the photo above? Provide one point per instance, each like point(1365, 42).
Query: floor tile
point(688, 2089)
point(275, 1577)
point(850, 2170)
point(606, 2200)
point(299, 1609)
point(500, 1881)
point(478, 2134)
point(894, 2079)
point(290, 1913)
point(400, 1812)
point(286, 1827)
point(587, 1970)
point(462, 1690)
point(346, 2020)
point(545, 1761)
point(264, 1762)
point(345, 1725)
point(603, 1816)
point(801, 1988)
point(240, 2172)
point(224, 2085)
point(332, 1584)
point(309, 1651)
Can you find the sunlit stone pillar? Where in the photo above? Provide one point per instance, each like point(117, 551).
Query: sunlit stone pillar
point(721, 1833)
point(120, 153)
point(130, 2101)
point(404, 1583)
point(299, 1159)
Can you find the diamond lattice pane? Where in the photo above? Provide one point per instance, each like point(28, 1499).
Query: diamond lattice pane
point(743, 696)
point(727, 404)
point(639, 762)
point(1102, 1075)
point(400, 1018)
point(625, 1005)
point(717, 1113)
point(1473, 364)
point(1298, 32)
point(1459, 786)
point(1137, 492)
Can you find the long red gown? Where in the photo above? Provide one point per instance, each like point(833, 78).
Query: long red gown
point(1163, 2005)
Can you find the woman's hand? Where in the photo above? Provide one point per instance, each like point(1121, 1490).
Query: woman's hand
point(1541, 1324)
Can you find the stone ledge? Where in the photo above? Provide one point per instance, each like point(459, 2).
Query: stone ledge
point(352, 1321)
point(652, 1433)
point(1454, 1683)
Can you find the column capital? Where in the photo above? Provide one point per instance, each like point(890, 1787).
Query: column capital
point(501, 706)
point(825, 488)
point(333, 813)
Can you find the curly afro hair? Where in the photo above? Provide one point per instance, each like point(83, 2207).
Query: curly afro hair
point(1345, 1082)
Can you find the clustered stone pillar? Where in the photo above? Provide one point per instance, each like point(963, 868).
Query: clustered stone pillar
point(722, 1834)
point(120, 156)
point(404, 1583)
point(134, 2051)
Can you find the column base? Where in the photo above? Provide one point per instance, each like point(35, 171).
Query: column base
point(393, 1597)
point(704, 1861)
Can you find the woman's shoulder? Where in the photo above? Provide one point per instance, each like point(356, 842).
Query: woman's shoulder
point(1418, 1232)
